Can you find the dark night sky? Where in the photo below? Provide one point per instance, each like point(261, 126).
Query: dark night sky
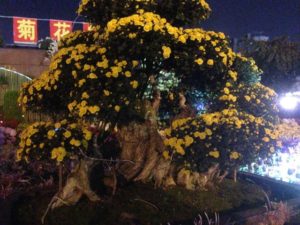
point(234, 17)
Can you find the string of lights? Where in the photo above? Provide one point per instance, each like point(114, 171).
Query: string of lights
point(14, 72)
point(38, 19)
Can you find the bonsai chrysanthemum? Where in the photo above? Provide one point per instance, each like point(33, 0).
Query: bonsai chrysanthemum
point(106, 76)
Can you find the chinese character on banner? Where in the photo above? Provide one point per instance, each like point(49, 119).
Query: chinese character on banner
point(25, 30)
point(59, 28)
point(87, 27)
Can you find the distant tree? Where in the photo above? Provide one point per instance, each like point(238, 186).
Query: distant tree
point(279, 59)
point(1, 42)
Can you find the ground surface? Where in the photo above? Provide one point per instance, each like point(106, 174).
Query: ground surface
point(143, 203)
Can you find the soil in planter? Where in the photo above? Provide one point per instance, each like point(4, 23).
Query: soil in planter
point(143, 203)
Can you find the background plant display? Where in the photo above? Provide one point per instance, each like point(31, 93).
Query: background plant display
point(7, 136)
point(103, 76)
point(283, 165)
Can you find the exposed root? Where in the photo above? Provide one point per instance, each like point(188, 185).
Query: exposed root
point(77, 184)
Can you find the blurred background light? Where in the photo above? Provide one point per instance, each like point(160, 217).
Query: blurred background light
point(289, 102)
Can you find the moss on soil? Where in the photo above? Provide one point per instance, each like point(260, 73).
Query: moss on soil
point(148, 205)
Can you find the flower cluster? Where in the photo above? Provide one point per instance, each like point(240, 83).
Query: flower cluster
point(47, 93)
point(183, 12)
point(187, 52)
point(258, 100)
point(104, 88)
point(102, 11)
point(180, 12)
point(100, 83)
point(229, 137)
point(58, 142)
point(255, 99)
point(79, 37)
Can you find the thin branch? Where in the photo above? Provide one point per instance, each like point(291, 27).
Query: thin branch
point(48, 208)
point(105, 160)
point(148, 203)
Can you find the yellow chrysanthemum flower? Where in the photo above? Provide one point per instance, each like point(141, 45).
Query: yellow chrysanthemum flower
point(247, 97)
point(28, 142)
point(94, 109)
point(58, 154)
point(87, 135)
point(199, 61)
point(166, 155)
point(215, 154)
point(50, 133)
point(134, 84)
point(85, 95)
point(92, 76)
point(188, 140)
point(75, 142)
point(127, 74)
point(266, 139)
point(179, 150)
point(57, 125)
point(117, 108)
point(234, 155)
point(67, 134)
point(226, 91)
point(166, 52)
point(210, 62)
point(135, 63)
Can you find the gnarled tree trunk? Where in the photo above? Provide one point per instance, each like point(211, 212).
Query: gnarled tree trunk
point(142, 144)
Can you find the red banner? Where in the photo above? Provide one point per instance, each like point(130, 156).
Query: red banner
point(25, 30)
point(87, 27)
point(60, 28)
